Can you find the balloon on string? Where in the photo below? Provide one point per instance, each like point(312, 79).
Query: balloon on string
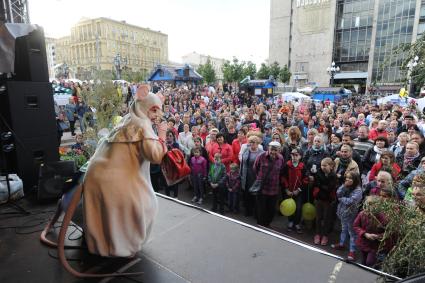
point(288, 207)
point(308, 211)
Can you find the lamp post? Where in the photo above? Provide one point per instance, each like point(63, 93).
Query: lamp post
point(117, 63)
point(332, 70)
point(65, 70)
point(411, 65)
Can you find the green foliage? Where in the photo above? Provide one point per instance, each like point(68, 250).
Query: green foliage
point(250, 70)
point(131, 76)
point(234, 71)
point(103, 97)
point(264, 72)
point(275, 70)
point(77, 156)
point(406, 229)
point(284, 74)
point(207, 72)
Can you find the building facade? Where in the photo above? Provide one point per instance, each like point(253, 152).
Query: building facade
point(109, 45)
point(195, 59)
point(360, 36)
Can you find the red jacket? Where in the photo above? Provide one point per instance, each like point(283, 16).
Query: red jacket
point(374, 133)
point(226, 154)
point(377, 167)
point(364, 223)
point(236, 147)
point(294, 177)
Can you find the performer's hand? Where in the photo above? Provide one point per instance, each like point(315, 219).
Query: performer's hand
point(162, 129)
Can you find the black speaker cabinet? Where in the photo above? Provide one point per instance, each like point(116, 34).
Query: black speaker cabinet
point(53, 179)
point(30, 57)
point(27, 112)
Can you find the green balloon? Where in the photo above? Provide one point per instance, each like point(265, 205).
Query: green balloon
point(308, 211)
point(288, 207)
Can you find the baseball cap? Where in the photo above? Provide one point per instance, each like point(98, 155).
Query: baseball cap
point(274, 144)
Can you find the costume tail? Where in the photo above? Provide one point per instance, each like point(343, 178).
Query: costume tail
point(61, 242)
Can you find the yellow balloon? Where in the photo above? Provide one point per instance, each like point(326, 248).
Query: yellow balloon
point(308, 211)
point(288, 207)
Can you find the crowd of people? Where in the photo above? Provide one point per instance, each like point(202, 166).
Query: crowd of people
point(338, 156)
point(341, 156)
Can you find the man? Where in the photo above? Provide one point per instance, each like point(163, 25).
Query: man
point(267, 138)
point(408, 122)
point(178, 125)
point(348, 140)
point(347, 129)
point(362, 143)
point(380, 131)
point(268, 168)
point(336, 129)
point(250, 118)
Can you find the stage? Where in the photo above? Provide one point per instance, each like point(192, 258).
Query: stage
point(187, 245)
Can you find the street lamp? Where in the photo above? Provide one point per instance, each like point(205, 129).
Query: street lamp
point(117, 63)
point(332, 70)
point(411, 65)
point(65, 70)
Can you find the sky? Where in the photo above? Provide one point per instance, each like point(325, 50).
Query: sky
point(218, 28)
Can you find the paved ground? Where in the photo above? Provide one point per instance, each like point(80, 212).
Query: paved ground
point(278, 224)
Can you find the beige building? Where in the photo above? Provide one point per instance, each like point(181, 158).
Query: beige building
point(105, 44)
point(195, 59)
point(51, 55)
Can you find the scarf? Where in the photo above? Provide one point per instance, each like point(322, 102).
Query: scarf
point(316, 149)
point(378, 153)
point(344, 162)
point(407, 160)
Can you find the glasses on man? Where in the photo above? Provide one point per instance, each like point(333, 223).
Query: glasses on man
point(276, 139)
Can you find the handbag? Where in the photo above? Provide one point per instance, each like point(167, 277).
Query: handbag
point(174, 166)
point(255, 188)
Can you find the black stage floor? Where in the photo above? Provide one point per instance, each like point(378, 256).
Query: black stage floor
point(186, 245)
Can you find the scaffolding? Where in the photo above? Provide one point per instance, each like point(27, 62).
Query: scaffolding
point(14, 11)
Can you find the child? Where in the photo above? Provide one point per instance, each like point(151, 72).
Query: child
point(198, 166)
point(325, 184)
point(370, 227)
point(293, 181)
point(234, 186)
point(217, 179)
point(349, 196)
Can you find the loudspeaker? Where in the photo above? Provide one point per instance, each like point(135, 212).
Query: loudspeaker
point(53, 179)
point(27, 112)
point(30, 57)
point(28, 108)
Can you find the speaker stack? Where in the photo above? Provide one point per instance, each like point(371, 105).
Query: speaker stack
point(27, 114)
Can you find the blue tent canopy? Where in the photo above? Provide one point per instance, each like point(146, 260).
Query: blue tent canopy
point(179, 74)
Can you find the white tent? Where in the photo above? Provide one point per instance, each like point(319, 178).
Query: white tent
point(307, 89)
point(394, 99)
point(421, 103)
point(289, 96)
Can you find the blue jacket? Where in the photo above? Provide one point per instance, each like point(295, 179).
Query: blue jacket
point(348, 203)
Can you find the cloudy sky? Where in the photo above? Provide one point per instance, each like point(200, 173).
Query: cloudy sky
point(219, 28)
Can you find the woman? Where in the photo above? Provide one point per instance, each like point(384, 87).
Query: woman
point(224, 148)
point(311, 134)
point(373, 154)
point(335, 144)
point(418, 137)
point(186, 140)
point(295, 138)
point(237, 143)
point(410, 160)
point(248, 176)
point(386, 163)
point(284, 149)
point(398, 147)
point(326, 134)
point(170, 141)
